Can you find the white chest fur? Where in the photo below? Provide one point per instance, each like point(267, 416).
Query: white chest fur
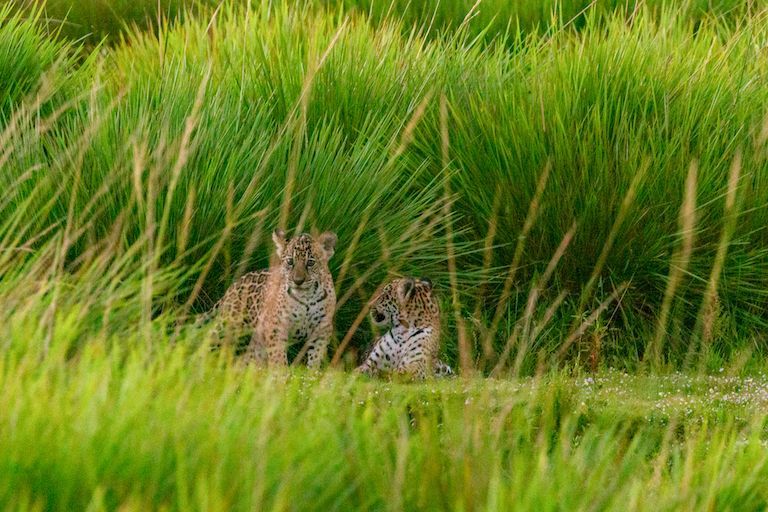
point(401, 344)
point(306, 310)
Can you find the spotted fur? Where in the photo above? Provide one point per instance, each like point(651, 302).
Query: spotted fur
point(408, 308)
point(443, 370)
point(294, 300)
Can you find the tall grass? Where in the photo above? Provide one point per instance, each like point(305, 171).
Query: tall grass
point(195, 141)
point(94, 21)
point(490, 20)
point(122, 427)
point(26, 54)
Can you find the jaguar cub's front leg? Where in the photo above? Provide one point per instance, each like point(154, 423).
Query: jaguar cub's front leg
point(372, 364)
point(382, 357)
point(276, 344)
point(317, 346)
point(256, 352)
point(416, 354)
point(416, 369)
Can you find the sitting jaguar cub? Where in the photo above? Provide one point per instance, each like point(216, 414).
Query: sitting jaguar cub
point(408, 308)
point(292, 301)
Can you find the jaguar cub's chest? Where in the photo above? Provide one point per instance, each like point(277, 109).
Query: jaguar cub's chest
point(401, 343)
point(305, 311)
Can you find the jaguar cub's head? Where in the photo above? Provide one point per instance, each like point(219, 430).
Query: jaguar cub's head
point(304, 258)
point(407, 302)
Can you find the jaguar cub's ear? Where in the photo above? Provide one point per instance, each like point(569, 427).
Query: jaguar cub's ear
point(327, 243)
point(278, 236)
point(426, 283)
point(405, 289)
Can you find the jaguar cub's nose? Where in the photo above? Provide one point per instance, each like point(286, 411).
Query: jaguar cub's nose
point(299, 280)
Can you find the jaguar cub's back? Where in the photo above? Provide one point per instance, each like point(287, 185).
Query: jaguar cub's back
point(242, 300)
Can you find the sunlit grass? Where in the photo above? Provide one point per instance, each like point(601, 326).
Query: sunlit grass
point(122, 426)
point(191, 139)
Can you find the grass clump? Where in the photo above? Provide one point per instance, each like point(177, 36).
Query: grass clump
point(123, 427)
point(27, 56)
point(94, 21)
point(576, 105)
point(219, 136)
point(201, 140)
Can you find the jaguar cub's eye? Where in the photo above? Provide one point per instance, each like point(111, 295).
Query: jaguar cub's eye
point(310, 263)
point(290, 262)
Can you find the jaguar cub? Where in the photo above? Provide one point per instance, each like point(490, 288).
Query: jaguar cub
point(409, 309)
point(292, 301)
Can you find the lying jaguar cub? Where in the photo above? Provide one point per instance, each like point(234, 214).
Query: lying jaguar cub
point(409, 309)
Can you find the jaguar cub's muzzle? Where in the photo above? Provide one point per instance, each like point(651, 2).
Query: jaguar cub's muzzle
point(299, 277)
